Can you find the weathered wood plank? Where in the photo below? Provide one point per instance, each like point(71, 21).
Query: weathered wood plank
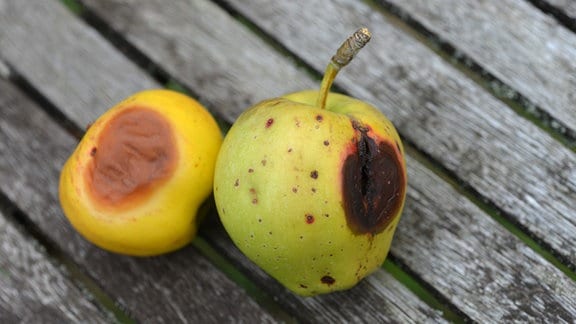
point(491, 271)
point(194, 41)
point(179, 287)
point(46, 46)
point(140, 27)
point(32, 289)
point(172, 270)
point(508, 160)
point(512, 40)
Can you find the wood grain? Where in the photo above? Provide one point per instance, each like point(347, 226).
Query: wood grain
point(224, 63)
point(45, 45)
point(182, 286)
point(33, 289)
point(138, 284)
point(278, 19)
point(509, 161)
point(512, 40)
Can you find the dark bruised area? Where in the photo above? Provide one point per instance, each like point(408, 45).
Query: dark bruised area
point(327, 280)
point(134, 153)
point(373, 184)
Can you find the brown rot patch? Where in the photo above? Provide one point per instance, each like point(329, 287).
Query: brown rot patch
point(290, 150)
point(137, 153)
point(263, 162)
point(255, 201)
point(373, 183)
point(294, 189)
point(327, 280)
point(236, 183)
point(326, 143)
point(314, 174)
point(250, 170)
point(309, 218)
point(319, 118)
point(303, 286)
point(269, 122)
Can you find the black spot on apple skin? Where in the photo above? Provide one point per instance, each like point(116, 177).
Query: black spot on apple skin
point(319, 118)
point(314, 174)
point(326, 143)
point(309, 219)
point(93, 151)
point(327, 280)
point(373, 184)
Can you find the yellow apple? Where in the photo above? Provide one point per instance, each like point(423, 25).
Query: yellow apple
point(139, 175)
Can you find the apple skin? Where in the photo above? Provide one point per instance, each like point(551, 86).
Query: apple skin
point(158, 211)
point(291, 190)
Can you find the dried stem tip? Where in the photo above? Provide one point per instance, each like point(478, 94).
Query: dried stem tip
point(350, 47)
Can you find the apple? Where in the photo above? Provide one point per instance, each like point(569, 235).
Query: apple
point(310, 186)
point(138, 177)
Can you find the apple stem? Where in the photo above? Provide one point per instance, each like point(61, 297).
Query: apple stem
point(343, 56)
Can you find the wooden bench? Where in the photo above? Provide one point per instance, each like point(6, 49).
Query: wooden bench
point(482, 92)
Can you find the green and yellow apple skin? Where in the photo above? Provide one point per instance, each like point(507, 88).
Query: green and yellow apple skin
point(313, 196)
point(136, 180)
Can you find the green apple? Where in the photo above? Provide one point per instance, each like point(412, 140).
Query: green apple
point(310, 186)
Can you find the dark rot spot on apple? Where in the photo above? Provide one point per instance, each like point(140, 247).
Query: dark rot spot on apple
point(236, 183)
point(303, 286)
point(327, 280)
point(373, 184)
point(314, 174)
point(255, 201)
point(326, 143)
point(294, 189)
point(136, 154)
point(309, 218)
point(263, 162)
point(313, 189)
point(290, 150)
point(253, 191)
point(250, 170)
point(93, 151)
point(319, 118)
point(269, 122)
